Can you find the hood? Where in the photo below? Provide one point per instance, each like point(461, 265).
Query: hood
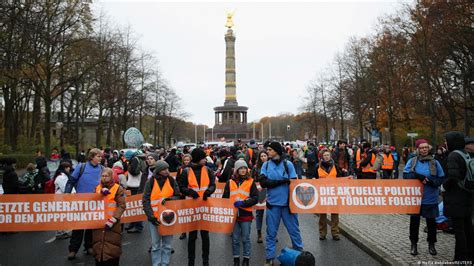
point(455, 140)
point(41, 162)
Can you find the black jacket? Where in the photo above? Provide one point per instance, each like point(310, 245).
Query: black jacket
point(43, 174)
point(10, 180)
point(183, 180)
point(457, 201)
point(250, 201)
point(149, 188)
point(227, 172)
point(173, 162)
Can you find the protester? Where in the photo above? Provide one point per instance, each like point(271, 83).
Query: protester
point(186, 163)
point(328, 168)
point(197, 181)
point(43, 174)
point(368, 156)
point(26, 182)
point(341, 156)
point(84, 179)
point(172, 160)
point(251, 154)
point(10, 178)
point(425, 168)
point(107, 241)
point(262, 158)
point(457, 199)
point(275, 176)
point(60, 180)
point(396, 162)
point(242, 190)
point(134, 179)
point(226, 165)
point(119, 174)
point(297, 163)
point(312, 160)
point(159, 189)
point(388, 162)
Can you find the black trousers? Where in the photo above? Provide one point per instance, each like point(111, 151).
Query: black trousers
point(76, 240)
point(192, 245)
point(415, 228)
point(111, 262)
point(387, 174)
point(464, 246)
point(367, 175)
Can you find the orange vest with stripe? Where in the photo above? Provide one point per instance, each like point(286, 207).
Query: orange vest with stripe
point(387, 161)
point(110, 204)
point(157, 194)
point(192, 181)
point(368, 167)
point(358, 160)
point(241, 192)
point(323, 174)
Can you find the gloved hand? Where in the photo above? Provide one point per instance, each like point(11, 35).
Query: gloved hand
point(154, 221)
point(285, 181)
point(105, 191)
point(206, 195)
point(163, 201)
point(239, 203)
point(420, 176)
point(193, 194)
point(110, 223)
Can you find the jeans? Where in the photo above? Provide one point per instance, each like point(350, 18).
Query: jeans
point(464, 246)
point(76, 240)
point(259, 219)
point(299, 169)
point(274, 215)
point(160, 247)
point(415, 228)
point(241, 232)
point(192, 245)
point(395, 170)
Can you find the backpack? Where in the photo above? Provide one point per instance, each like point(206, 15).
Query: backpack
point(468, 182)
point(285, 164)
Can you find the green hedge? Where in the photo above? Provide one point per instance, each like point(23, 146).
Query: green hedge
point(22, 160)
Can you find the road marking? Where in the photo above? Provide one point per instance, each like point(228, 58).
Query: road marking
point(49, 241)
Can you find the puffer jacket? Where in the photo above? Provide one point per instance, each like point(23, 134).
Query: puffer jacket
point(107, 244)
point(457, 201)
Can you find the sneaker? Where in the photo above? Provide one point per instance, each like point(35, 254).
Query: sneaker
point(71, 255)
point(337, 238)
point(182, 236)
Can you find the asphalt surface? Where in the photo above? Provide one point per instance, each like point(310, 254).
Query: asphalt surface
point(41, 248)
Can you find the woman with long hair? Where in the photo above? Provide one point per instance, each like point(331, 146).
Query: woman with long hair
point(262, 157)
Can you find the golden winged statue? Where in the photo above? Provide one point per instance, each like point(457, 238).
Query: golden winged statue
point(229, 24)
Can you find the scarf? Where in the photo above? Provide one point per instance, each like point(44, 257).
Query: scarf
point(429, 158)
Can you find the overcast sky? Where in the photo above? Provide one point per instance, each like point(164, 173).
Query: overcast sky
point(280, 47)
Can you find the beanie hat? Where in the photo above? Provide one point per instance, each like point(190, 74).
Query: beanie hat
point(160, 165)
point(155, 156)
point(276, 146)
point(419, 142)
point(197, 154)
point(252, 144)
point(468, 140)
point(129, 154)
point(239, 164)
point(118, 164)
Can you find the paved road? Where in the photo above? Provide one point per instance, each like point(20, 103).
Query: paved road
point(30, 248)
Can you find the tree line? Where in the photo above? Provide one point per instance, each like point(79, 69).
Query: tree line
point(414, 74)
point(61, 66)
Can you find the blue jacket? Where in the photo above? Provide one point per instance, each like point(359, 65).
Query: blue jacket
point(87, 182)
point(278, 195)
point(430, 190)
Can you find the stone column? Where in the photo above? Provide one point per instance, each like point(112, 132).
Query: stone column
point(230, 81)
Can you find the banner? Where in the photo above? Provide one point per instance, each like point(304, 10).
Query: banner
point(51, 212)
point(343, 195)
point(215, 215)
point(134, 211)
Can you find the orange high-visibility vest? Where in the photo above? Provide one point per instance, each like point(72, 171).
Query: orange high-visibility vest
point(241, 192)
point(368, 167)
point(358, 159)
point(387, 161)
point(157, 194)
point(110, 204)
point(323, 174)
point(192, 181)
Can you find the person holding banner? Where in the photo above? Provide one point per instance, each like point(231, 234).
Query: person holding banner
point(275, 176)
point(367, 162)
point(241, 188)
point(195, 182)
point(262, 158)
point(85, 178)
point(425, 168)
point(160, 188)
point(107, 241)
point(327, 168)
point(186, 163)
